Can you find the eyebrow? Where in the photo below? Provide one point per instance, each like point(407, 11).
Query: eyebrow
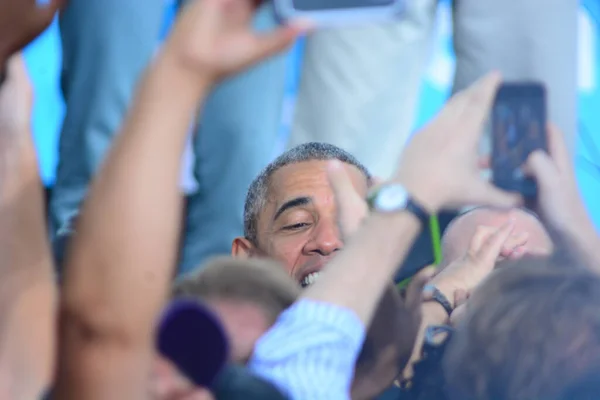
point(297, 202)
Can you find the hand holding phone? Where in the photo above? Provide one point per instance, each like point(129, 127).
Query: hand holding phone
point(518, 128)
point(339, 12)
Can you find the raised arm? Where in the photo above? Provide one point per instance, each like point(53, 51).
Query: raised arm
point(439, 169)
point(559, 200)
point(27, 288)
point(123, 254)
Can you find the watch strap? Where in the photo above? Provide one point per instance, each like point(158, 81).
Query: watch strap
point(412, 206)
point(435, 295)
point(415, 208)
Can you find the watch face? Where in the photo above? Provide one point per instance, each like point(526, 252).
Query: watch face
point(391, 198)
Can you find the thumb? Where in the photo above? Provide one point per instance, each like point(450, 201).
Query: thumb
point(351, 207)
point(490, 195)
point(414, 292)
point(541, 167)
point(274, 42)
point(492, 247)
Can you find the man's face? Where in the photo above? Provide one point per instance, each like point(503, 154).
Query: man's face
point(298, 225)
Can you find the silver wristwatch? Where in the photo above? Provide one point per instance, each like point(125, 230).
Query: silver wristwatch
point(393, 198)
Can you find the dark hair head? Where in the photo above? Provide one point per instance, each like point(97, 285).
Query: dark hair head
point(259, 188)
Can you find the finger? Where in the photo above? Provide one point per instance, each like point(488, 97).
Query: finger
point(414, 291)
point(541, 167)
point(558, 147)
point(478, 101)
point(484, 162)
point(460, 298)
point(486, 194)
point(351, 207)
point(513, 243)
point(459, 102)
point(482, 233)
point(340, 181)
point(274, 42)
point(517, 253)
point(491, 248)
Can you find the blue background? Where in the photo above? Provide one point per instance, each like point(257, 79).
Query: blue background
point(43, 59)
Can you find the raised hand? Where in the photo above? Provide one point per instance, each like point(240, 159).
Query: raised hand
point(21, 21)
point(440, 166)
point(513, 246)
point(559, 201)
point(458, 279)
point(214, 38)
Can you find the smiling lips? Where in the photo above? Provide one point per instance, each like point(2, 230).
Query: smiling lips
point(310, 279)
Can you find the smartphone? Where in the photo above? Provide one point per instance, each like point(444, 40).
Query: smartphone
point(518, 128)
point(338, 12)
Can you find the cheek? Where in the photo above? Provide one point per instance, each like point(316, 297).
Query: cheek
point(287, 250)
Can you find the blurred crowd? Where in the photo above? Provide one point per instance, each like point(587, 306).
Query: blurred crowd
point(117, 294)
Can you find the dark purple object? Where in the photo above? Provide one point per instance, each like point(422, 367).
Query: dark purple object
point(193, 339)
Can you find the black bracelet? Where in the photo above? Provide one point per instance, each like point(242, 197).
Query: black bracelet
point(2, 75)
point(434, 294)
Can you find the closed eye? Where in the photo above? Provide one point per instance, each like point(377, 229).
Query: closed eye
point(295, 227)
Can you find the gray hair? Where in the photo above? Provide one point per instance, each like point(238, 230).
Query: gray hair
point(258, 190)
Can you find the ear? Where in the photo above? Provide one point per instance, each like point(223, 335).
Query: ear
point(242, 248)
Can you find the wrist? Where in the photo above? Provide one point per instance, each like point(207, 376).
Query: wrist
point(447, 290)
point(176, 60)
point(434, 314)
point(420, 190)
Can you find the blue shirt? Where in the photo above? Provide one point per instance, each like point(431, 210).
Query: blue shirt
point(311, 351)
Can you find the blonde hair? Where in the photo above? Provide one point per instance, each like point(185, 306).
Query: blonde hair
point(256, 281)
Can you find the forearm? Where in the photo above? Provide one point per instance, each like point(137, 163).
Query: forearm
point(127, 235)
point(27, 288)
point(356, 278)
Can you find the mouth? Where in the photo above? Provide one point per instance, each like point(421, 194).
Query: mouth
point(309, 279)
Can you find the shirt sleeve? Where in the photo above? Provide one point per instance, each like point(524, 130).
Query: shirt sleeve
point(311, 351)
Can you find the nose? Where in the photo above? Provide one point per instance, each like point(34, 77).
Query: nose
point(325, 240)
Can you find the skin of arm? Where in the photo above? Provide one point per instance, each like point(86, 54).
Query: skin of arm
point(27, 288)
point(366, 267)
point(126, 243)
point(124, 253)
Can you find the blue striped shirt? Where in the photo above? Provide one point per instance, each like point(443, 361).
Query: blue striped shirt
point(311, 350)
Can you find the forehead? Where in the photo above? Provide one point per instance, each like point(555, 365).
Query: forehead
point(308, 178)
point(466, 225)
